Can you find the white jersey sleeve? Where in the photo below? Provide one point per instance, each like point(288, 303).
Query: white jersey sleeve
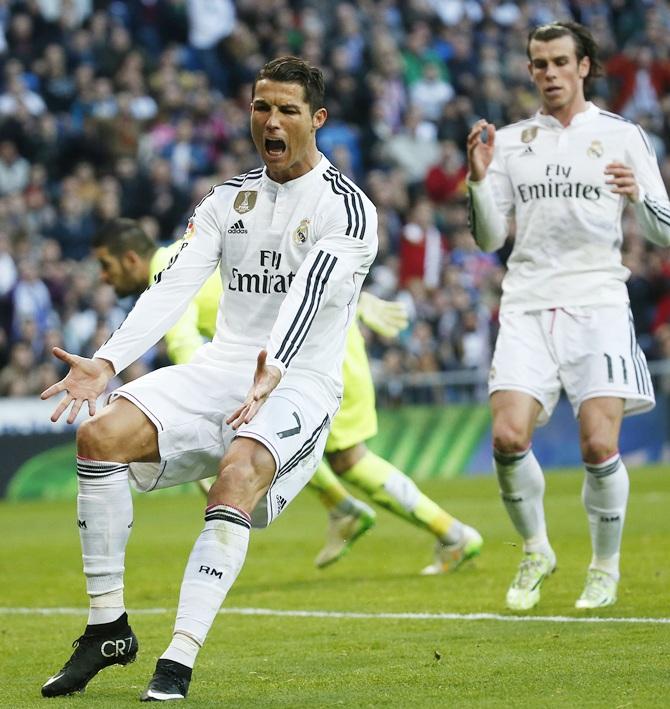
point(162, 304)
point(653, 208)
point(490, 204)
point(328, 282)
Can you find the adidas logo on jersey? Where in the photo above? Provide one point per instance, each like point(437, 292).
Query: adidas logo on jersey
point(237, 228)
point(527, 151)
point(281, 503)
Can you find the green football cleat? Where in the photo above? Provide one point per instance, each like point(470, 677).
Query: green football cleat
point(599, 591)
point(524, 592)
point(449, 557)
point(343, 531)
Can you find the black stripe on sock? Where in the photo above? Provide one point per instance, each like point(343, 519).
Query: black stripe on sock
point(509, 458)
point(99, 469)
point(603, 471)
point(227, 514)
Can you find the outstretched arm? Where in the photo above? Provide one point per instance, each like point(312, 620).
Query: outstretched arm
point(86, 380)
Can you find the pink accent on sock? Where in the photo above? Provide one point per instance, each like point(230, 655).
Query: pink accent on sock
point(605, 461)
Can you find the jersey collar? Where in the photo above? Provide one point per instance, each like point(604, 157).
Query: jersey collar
point(299, 182)
point(588, 114)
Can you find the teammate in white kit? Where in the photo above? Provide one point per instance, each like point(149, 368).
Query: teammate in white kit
point(294, 240)
point(565, 175)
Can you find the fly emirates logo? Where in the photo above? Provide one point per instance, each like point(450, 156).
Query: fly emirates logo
point(558, 186)
point(268, 280)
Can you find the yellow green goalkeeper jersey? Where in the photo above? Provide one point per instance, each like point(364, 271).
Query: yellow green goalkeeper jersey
point(198, 323)
point(356, 421)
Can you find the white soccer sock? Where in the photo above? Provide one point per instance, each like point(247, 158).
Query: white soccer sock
point(216, 560)
point(105, 518)
point(522, 490)
point(605, 496)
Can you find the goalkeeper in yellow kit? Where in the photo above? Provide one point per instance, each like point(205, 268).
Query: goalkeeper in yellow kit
point(129, 261)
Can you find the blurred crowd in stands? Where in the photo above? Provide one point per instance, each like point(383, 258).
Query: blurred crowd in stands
point(135, 108)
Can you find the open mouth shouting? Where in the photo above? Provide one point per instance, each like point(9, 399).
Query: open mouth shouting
point(275, 147)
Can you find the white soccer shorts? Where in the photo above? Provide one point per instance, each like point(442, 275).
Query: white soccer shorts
point(588, 351)
point(189, 405)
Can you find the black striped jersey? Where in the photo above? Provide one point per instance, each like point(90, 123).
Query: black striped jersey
point(550, 179)
point(292, 259)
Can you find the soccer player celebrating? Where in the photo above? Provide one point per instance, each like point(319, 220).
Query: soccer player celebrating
point(130, 260)
point(565, 175)
point(293, 241)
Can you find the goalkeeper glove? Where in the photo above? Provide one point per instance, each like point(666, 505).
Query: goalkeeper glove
point(385, 317)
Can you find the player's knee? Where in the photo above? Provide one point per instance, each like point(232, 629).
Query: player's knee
point(510, 438)
point(93, 436)
point(343, 460)
point(597, 447)
point(238, 483)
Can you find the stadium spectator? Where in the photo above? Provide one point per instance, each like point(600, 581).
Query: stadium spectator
point(430, 93)
point(640, 80)
point(14, 169)
point(31, 300)
point(422, 247)
point(414, 147)
point(445, 180)
point(19, 377)
point(210, 22)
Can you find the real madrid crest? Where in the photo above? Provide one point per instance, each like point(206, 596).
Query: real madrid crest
point(595, 150)
point(300, 234)
point(528, 134)
point(245, 201)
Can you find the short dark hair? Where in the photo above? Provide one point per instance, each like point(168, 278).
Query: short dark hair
point(295, 71)
point(585, 45)
point(121, 235)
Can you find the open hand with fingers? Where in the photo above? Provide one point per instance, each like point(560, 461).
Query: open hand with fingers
point(385, 317)
point(266, 379)
point(86, 380)
point(623, 180)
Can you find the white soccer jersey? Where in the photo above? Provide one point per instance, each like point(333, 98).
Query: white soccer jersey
point(550, 178)
point(292, 257)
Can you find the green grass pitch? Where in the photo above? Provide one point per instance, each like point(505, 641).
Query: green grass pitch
point(264, 661)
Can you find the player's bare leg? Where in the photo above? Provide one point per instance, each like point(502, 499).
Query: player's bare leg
point(216, 559)
point(605, 496)
point(392, 489)
point(348, 517)
point(521, 484)
point(106, 443)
